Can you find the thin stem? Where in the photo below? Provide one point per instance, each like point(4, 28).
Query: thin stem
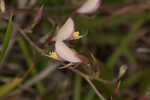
point(105, 81)
point(66, 66)
point(95, 89)
point(86, 77)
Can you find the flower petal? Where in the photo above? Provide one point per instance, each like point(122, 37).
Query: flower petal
point(89, 6)
point(65, 52)
point(65, 31)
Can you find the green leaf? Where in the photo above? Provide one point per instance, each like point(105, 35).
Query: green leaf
point(6, 38)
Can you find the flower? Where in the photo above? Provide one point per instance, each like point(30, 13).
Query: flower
point(89, 6)
point(66, 32)
point(64, 53)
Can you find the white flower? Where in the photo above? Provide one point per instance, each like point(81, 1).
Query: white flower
point(63, 52)
point(89, 6)
point(66, 32)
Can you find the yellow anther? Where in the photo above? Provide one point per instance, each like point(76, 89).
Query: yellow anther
point(53, 55)
point(76, 35)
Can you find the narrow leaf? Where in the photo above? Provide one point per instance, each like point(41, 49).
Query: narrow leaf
point(6, 38)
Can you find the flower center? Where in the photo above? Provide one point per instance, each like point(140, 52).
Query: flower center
point(53, 55)
point(76, 35)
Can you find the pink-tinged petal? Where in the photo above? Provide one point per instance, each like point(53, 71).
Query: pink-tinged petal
point(89, 6)
point(66, 53)
point(65, 31)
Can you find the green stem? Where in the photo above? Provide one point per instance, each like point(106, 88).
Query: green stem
point(77, 87)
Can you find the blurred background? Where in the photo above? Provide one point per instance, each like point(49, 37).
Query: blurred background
point(117, 34)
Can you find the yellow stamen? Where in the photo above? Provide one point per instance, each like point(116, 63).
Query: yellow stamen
point(53, 55)
point(76, 35)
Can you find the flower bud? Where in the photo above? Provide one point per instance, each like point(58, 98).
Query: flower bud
point(122, 70)
point(89, 6)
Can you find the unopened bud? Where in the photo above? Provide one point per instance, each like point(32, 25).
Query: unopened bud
point(116, 92)
point(122, 70)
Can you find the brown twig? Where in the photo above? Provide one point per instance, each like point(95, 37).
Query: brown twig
point(66, 66)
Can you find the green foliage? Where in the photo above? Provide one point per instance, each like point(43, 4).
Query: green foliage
point(77, 88)
point(30, 63)
point(124, 43)
point(6, 38)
